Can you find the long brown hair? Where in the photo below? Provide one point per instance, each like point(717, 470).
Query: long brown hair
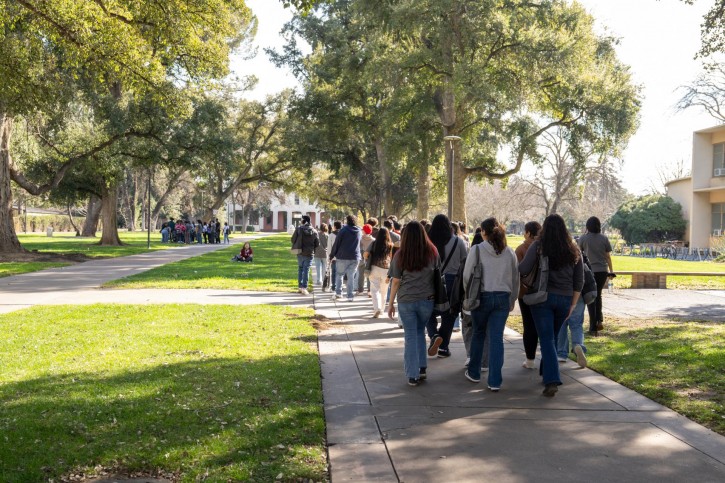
point(495, 233)
point(382, 246)
point(557, 244)
point(416, 250)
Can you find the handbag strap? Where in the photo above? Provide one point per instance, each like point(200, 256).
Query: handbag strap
point(450, 255)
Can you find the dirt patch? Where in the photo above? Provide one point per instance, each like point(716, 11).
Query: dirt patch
point(34, 256)
point(320, 322)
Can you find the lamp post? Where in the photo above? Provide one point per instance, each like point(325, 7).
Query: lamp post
point(148, 211)
point(451, 163)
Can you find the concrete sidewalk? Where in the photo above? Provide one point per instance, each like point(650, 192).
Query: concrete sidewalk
point(449, 429)
point(79, 283)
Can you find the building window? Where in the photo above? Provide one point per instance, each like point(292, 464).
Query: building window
point(718, 159)
point(718, 219)
point(297, 200)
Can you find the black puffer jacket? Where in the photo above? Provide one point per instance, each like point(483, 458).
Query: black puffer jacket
point(305, 237)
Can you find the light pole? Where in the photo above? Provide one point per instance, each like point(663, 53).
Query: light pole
point(451, 163)
point(148, 211)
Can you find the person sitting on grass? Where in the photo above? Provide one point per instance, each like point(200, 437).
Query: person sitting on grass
point(245, 254)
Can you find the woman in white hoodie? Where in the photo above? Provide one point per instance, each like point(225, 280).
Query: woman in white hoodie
point(499, 289)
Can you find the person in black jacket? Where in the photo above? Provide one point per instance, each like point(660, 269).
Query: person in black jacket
point(306, 239)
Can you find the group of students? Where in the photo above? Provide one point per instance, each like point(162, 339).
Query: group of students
point(407, 259)
point(186, 231)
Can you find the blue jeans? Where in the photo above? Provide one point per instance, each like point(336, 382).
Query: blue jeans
point(414, 316)
point(349, 268)
point(575, 323)
point(549, 316)
point(490, 317)
point(321, 269)
point(303, 270)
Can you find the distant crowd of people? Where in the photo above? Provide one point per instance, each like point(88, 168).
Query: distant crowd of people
point(482, 279)
point(186, 231)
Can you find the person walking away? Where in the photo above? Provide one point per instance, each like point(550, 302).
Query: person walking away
point(379, 254)
point(565, 283)
point(305, 236)
point(531, 338)
point(373, 222)
point(365, 241)
point(452, 252)
point(337, 226)
point(346, 252)
point(321, 256)
point(172, 230)
point(165, 233)
point(218, 231)
point(575, 325)
point(467, 323)
point(226, 233)
point(598, 250)
point(499, 290)
point(411, 272)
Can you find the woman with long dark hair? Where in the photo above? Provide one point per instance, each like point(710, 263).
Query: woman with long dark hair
point(452, 252)
point(499, 288)
point(565, 282)
point(379, 254)
point(411, 271)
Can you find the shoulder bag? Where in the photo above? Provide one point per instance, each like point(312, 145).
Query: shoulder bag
point(537, 294)
point(472, 298)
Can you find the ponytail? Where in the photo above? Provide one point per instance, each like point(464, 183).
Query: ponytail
point(496, 234)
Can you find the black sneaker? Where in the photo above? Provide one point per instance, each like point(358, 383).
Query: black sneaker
point(443, 353)
point(422, 375)
point(435, 343)
point(550, 389)
point(412, 382)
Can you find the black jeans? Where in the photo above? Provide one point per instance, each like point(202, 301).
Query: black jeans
point(595, 309)
point(531, 337)
point(447, 319)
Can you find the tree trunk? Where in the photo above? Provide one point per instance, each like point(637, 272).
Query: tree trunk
point(9, 242)
point(171, 184)
point(93, 214)
point(109, 207)
point(423, 203)
point(70, 217)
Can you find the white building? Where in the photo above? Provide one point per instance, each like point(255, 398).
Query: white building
point(284, 211)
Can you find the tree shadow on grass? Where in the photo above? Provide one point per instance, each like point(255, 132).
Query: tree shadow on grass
point(229, 418)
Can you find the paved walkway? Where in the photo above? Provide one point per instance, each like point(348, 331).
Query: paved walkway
point(380, 429)
point(448, 429)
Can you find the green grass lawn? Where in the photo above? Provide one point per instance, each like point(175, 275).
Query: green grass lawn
point(273, 269)
point(217, 393)
point(16, 268)
point(625, 263)
point(678, 364)
point(69, 243)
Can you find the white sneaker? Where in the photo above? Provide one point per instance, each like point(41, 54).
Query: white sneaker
point(336, 297)
point(376, 314)
point(529, 364)
point(484, 369)
point(562, 359)
point(581, 359)
point(468, 359)
point(304, 291)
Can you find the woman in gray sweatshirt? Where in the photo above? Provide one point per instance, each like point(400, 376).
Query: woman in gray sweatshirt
point(499, 290)
point(566, 279)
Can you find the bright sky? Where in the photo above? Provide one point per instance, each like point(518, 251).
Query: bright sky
point(659, 39)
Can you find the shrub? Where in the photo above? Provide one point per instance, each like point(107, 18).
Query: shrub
point(649, 219)
point(250, 228)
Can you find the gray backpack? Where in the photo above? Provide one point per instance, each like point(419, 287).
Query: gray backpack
point(473, 288)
